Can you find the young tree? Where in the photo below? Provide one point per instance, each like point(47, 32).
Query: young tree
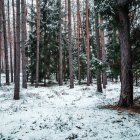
point(23, 36)
point(38, 39)
point(17, 75)
point(10, 42)
point(5, 44)
point(70, 46)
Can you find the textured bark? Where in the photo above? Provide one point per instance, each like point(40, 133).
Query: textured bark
point(38, 38)
point(99, 84)
point(10, 43)
point(87, 45)
point(78, 41)
point(32, 17)
point(14, 30)
point(5, 45)
point(17, 74)
point(23, 38)
point(0, 40)
point(60, 46)
point(70, 46)
point(126, 97)
point(102, 43)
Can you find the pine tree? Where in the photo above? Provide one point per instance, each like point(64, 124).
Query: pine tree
point(70, 46)
point(10, 43)
point(0, 39)
point(38, 38)
point(99, 84)
point(87, 45)
point(5, 44)
point(78, 40)
point(17, 75)
point(14, 32)
point(60, 45)
point(23, 35)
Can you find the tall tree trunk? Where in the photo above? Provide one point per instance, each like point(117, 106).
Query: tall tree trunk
point(0, 40)
point(60, 45)
point(23, 36)
point(17, 74)
point(70, 46)
point(10, 43)
point(14, 30)
point(126, 97)
point(78, 41)
point(5, 45)
point(102, 43)
point(32, 17)
point(38, 39)
point(87, 45)
point(99, 83)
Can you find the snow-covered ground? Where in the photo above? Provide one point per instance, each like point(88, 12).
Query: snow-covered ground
point(60, 113)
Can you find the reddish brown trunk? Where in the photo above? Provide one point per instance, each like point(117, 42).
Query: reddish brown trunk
point(126, 97)
point(5, 44)
point(0, 39)
point(87, 45)
point(70, 46)
point(32, 17)
point(17, 74)
point(78, 41)
point(10, 43)
point(14, 30)
point(23, 38)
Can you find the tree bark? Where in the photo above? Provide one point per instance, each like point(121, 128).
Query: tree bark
point(23, 36)
point(60, 46)
point(102, 43)
point(32, 17)
point(126, 97)
point(0, 40)
point(87, 45)
point(99, 83)
point(78, 41)
point(38, 39)
point(17, 74)
point(10, 43)
point(14, 30)
point(5, 45)
point(70, 46)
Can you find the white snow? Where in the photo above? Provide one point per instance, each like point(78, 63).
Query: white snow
point(60, 113)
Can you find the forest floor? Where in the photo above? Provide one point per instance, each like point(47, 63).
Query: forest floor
point(60, 113)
